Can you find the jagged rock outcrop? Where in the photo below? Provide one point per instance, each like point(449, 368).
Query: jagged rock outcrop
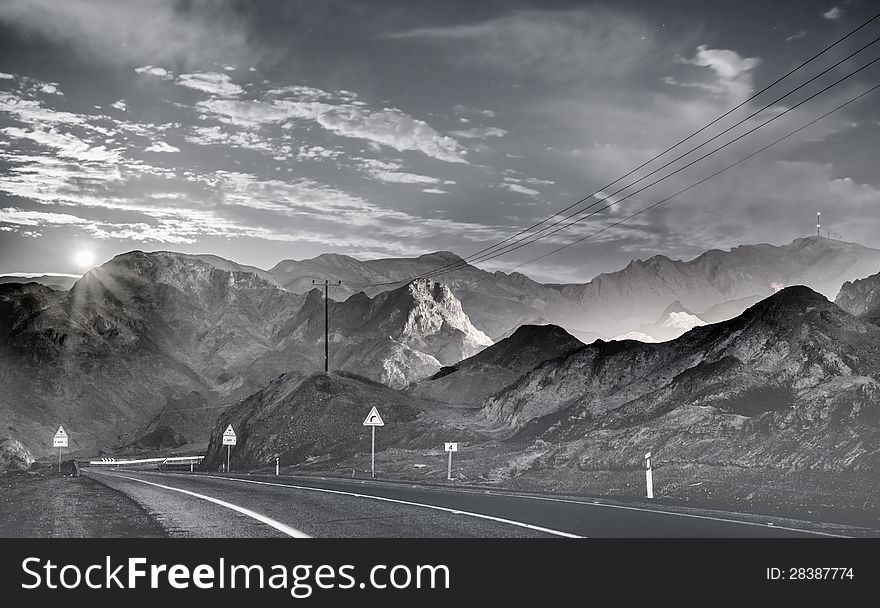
point(14, 457)
point(861, 298)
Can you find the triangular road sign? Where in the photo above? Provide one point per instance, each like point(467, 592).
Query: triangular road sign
point(60, 433)
point(229, 432)
point(373, 418)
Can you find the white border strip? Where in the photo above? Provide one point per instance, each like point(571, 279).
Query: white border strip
point(293, 532)
point(400, 502)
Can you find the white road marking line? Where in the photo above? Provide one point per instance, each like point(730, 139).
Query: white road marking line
point(252, 514)
point(403, 502)
point(691, 515)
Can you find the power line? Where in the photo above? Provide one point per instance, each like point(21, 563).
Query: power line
point(464, 262)
point(690, 164)
point(702, 181)
point(535, 236)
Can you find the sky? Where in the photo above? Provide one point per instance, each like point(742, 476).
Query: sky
point(263, 130)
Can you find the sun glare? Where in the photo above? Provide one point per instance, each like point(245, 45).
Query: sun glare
point(84, 259)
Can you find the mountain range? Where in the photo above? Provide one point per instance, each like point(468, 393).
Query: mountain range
point(149, 348)
point(788, 390)
point(167, 340)
point(792, 382)
point(716, 285)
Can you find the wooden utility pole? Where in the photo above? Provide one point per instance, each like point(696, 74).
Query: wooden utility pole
point(326, 323)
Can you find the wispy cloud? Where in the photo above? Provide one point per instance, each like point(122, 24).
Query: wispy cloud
point(392, 172)
point(186, 35)
point(834, 13)
point(161, 146)
point(480, 133)
point(213, 83)
point(343, 115)
point(519, 189)
point(552, 45)
point(153, 71)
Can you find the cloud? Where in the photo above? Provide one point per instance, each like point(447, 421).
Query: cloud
point(394, 177)
point(50, 89)
point(234, 138)
point(393, 128)
point(161, 146)
point(328, 208)
point(799, 34)
point(532, 181)
point(518, 189)
point(480, 133)
point(65, 145)
point(151, 71)
point(391, 172)
point(20, 217)
point(181, 34)
point(834, 13)
point(5, 76)
point(549, 44)
point(307, 152)
point(460, 110)
point(434, 191)
point(213, 83)
point(341, 114)
point(119, 104)
point(734, 72)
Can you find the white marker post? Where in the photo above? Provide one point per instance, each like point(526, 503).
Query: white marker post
point(373, 419)
point(277, 470)
point(649, 476)
point(229, 439)
point(450, 448)
point(60, 441)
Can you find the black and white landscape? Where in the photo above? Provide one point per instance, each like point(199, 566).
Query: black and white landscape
point(181, 184)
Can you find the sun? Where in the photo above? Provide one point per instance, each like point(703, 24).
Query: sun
point(84, 258)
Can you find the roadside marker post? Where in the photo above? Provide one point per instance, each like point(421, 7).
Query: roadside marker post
point(277, 471)
point(373, 419)
point(229, 440)
point(450, 448)
point(60, 441)
point(649, 476)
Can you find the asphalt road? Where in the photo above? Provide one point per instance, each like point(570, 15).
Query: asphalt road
point(196, 505)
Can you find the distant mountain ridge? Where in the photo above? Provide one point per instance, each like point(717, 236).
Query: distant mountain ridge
point(722, 284)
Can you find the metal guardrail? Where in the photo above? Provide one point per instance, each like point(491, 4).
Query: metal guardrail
point(159, 461)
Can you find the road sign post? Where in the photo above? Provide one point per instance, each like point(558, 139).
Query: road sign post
point(229, 440)
point(60, 441)
point(450, 448)
point(373, 419)
point(649, 476)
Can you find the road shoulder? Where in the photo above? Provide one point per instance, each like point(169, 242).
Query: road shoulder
point(43, 504)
